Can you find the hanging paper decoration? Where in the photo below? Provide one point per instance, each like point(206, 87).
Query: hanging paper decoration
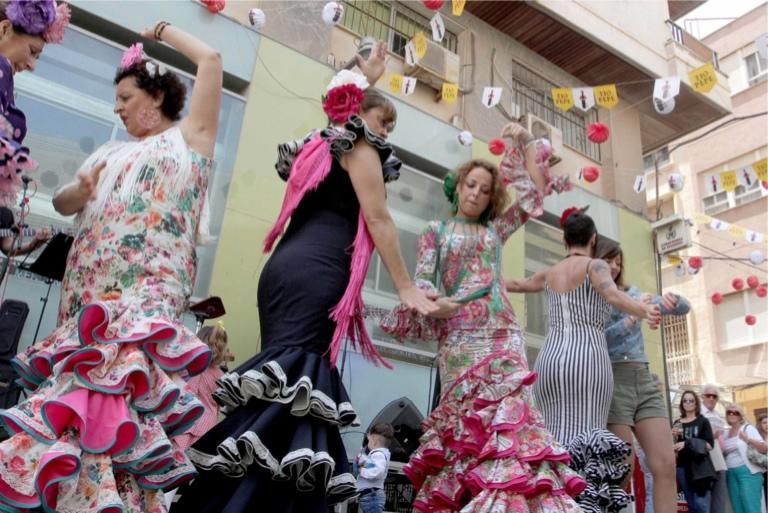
point(753, 281)
point(606, 96)
point(680, 270)
point(718, 225)
point(583, 97)
point(465, 138)
point(703, 78)
point(729, 181)
point(214, 6)
point(409, 85)
point(395, 83)
point(438, 27)
point(761, 291)
point(750, 236)
point(457, 7)
point(737, 283)
point(410, 54)
point(491, 96)
point(676, 182)
point(666, 88)
point(257, 18)
point(420, 44)
point(761, 169)
point(597, 132)
point(695, 262)
point(562, 97)
point(747, 176)
point(639, 184)
point(712, 183)
point(496, 146)
point(756, 257)
point(750, 319)
point(433, 4)
point(450, 92)
point(717, 298)
point(589, 173)
point(332, 13)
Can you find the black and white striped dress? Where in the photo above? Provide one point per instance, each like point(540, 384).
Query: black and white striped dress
point(575, 382)
point(573, 392)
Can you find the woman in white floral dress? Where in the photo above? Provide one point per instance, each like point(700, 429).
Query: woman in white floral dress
point(108, 382)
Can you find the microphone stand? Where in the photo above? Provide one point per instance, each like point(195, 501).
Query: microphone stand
point(17, 236)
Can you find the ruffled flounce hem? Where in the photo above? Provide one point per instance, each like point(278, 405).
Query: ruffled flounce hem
point(402, 324)
point(103, 414)
point(486, 444)
point(601, 457)
point(275, 401)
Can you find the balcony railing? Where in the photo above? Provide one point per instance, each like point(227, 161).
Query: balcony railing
point(696, 47)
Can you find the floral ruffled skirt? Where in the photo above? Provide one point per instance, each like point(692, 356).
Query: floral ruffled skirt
point(94, 436)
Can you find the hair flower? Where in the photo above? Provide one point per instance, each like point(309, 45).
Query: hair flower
point(32, 16)
point(133, 55)
point(55, 31)
point(344, 95)
point(567, 213)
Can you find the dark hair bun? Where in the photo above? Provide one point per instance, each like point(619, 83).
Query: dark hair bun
point(155, 84)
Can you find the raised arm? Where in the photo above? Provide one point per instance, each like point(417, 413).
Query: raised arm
point(201, 125)
point(600, 276)
point(533, 283)
point(71, 198)
point(365, 172)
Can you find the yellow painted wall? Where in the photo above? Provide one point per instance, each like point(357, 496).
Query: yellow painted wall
point(272, 115)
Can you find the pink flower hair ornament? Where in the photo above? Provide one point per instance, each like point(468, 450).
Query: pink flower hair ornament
point(344, 95)
point(44, 18)
point(133, 55)
point(55, 32)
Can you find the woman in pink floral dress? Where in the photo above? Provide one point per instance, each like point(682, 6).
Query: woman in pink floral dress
point(484, 448)
point(108, 390)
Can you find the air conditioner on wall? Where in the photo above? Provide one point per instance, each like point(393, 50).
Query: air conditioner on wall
point(439, 65)
point(540, 128)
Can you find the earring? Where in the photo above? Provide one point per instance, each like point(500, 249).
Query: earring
point(149, 118)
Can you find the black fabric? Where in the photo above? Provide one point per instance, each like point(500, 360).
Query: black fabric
point(6, 218)
point(13, 315)
point(301, 282)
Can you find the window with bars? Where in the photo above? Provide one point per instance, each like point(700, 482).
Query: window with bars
point(391, 22)
point(757, 68)
point(678, 350)
point(530, 94)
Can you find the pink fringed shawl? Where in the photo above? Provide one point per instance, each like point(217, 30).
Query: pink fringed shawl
point(310, 168)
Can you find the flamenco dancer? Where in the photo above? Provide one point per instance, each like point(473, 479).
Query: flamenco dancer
point(575, 383)
point(107, 392)
point(280, 450)
point(485, 447)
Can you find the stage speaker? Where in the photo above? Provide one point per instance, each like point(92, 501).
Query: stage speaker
point(13, 315)
point(406, 419)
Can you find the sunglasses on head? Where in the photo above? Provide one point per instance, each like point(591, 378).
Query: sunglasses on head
point(710, 396)
point(733, 412)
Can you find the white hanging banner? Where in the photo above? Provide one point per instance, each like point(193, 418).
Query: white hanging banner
point(491, 96)
point(409, 85)
point(410, 54)
point(754, 237)
point(583, 98)
point(712, 183)
point(639, 184)
point(666, 88)
point(746, 176)
point(719, 225)
point(762, 46)
point(438, 27)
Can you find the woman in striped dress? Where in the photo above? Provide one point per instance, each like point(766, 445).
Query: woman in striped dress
point(575, 382)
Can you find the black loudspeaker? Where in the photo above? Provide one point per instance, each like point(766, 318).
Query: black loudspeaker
point(13, 315)
point(406, 419)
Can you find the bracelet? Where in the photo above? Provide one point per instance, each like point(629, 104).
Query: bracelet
point(159, 28)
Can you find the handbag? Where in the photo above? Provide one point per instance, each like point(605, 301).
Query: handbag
point(756, 457)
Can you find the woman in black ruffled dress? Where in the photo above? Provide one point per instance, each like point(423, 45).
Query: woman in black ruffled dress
point(279, 450)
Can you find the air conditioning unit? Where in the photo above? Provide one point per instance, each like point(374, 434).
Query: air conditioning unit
point(439, 65)
point(541, 129)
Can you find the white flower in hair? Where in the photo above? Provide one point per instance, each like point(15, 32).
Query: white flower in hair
point(161, 70)
point(151, 68)
point(345, 77)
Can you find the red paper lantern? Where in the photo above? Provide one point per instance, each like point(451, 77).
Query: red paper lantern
point(496, 146)
point(753, 281)
point(695, 262)
point(761, 291)
point(737, 283)
point(214, 6)
point(433, 4)
point(717, 298)
point(597, 132)
point(764, 184)
point(750, 319)
point(590, 173)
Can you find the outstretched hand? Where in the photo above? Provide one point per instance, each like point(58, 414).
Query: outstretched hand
point(516, 131)
point(374, 66)
point(418, 300)
point(88, 180)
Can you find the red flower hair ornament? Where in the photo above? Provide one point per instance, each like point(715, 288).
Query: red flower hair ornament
point(344, 95)
point(567, 213)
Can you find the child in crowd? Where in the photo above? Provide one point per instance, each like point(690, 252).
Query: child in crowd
point(373, 466)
